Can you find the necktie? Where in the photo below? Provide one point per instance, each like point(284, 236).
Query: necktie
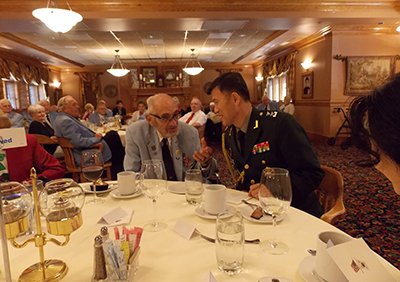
point(190, 118)
point(242, 139)
point(48, 120)
point(169, 165)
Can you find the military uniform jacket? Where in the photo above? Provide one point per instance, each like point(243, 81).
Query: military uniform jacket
point(276, 139)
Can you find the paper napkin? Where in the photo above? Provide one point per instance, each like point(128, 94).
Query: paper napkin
point(358, 262)
point(235, 197)
point(118, 216)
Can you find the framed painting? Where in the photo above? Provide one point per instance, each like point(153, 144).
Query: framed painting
point(149, 75)
point(364, 74)
point(259, 91)
point(307, 85)
point(170, 75)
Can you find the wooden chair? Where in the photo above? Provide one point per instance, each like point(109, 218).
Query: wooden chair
point(77, 174)
point(45, 140)
point(330, 195)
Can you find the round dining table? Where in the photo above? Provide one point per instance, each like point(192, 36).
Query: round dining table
point(168, 256)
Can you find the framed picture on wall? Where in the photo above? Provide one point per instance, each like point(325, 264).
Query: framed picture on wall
point(170, 75)
point(364, 74)
point(149, 75)
point(307, 84)
point(259, 88)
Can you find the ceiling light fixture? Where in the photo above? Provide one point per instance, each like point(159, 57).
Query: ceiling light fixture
point(398, 28)
point(58, 20)
point(118, 69)
point(193, 67)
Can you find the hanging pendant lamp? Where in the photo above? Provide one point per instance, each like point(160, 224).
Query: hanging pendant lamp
point(193, 67)
point(118, 69)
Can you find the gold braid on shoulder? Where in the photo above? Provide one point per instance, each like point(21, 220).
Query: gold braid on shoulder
point(236, 175)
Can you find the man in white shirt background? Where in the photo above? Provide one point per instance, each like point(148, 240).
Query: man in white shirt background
point(196, 118)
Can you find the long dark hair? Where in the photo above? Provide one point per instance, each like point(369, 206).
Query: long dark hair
point(375, 122)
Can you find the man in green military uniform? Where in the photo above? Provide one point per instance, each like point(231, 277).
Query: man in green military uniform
point(256, 139)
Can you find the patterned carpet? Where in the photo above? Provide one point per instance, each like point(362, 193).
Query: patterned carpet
point(372, 205)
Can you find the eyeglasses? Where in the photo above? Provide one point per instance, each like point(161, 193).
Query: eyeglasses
point(167, 117)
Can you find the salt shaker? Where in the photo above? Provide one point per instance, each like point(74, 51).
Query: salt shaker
point(99, 263)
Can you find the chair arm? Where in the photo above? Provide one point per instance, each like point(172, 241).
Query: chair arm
point(338, 209)
point(97, 145)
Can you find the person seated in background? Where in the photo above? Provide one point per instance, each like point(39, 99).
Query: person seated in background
point(39, 125)
point(163, 137)
point(375, 129)
point(176, 100)
point(67, 125)
point(213, 130)
point(16, 118)
point(196, 118)
point(108, 111)
point(287, 107)
point(17, 162)
point(267, 104)
point(100, 115)
point(50, 116)
point(54, 108)
point(89, 109)
point(140, 114)
point(256, 139)
point(119, 109)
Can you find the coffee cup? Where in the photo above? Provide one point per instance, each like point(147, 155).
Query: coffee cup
point(214, 199)
point(325, 267)
point(126, 182)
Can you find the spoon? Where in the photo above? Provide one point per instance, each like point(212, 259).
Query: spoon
point(254, 206)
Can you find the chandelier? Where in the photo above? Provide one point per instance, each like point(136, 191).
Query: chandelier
point(58, 20)
point(193, 67)
point(118, 69)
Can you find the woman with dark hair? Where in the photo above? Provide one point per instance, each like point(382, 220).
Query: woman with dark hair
point(375, 125)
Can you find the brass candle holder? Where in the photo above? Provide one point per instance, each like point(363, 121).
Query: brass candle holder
point(60, 202)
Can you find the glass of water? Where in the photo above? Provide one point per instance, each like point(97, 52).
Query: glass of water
point(229, 242)
point(194, 186)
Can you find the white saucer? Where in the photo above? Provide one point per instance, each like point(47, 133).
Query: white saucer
point(247, 211)
point(117, 195)
point(87, 190)
point(306, 269)
point(178, 188)
point(271, 279)
point(203, 214)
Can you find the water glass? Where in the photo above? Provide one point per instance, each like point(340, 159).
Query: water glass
point(229, 242)
point(194, 186)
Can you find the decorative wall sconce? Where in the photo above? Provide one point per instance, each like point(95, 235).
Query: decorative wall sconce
point(56, 84)
point(259, 78)
point(306, 64)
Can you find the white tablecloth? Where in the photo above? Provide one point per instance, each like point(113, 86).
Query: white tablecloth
point(167, 256)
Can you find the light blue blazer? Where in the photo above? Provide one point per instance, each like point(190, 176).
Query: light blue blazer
point(16, 119)
point(273, 106)
point(95, 117)
point(52, 116)
point(143, 143)
point(79, 135)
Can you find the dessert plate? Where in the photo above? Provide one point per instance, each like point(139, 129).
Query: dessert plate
point(306, 269)
point(247, 211)
point(87, 190)
point(177, 188)
point(200, 211)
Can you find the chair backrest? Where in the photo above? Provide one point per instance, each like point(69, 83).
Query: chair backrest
point(44, 140)
point(67, 147)
point(330, 194)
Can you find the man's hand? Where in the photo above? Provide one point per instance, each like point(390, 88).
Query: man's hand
point(203, 157)
point(98, 136)
point(256, 187)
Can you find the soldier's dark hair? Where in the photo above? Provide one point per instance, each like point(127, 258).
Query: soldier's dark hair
point(231, 82)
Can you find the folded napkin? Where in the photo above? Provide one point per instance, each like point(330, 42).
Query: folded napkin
point(118, 216)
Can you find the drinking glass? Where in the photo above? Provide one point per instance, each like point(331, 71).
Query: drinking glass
point(275, 195)
point(229, 243)
point(153, 181)
point(92, 166)
point(194, 186)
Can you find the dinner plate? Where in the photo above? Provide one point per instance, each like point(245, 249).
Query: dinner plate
point(86, 188)
point(115, 194)
point(200, 211)
point(247, 211)
point(178, 188)
point(306, 269)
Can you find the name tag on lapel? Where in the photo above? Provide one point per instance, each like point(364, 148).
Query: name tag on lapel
point(260, 148)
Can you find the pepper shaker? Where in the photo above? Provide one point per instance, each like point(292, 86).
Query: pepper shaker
point(99, 263)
